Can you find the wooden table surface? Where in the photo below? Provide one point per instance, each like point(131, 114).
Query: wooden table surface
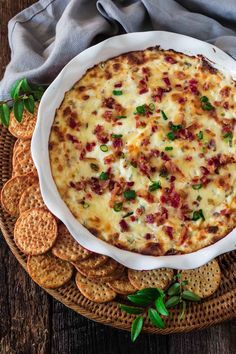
point(33, 322)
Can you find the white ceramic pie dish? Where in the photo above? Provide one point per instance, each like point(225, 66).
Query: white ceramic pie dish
point(51, 101)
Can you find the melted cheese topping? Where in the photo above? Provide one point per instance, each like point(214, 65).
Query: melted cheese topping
point(143, 152)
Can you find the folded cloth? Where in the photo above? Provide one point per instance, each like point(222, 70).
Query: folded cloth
point(45, 36)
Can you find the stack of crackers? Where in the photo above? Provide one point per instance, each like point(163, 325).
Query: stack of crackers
point(54, 257)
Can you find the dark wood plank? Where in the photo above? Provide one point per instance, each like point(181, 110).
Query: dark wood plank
point(31, 322)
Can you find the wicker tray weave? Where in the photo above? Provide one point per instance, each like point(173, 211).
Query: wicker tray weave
point(219, 307)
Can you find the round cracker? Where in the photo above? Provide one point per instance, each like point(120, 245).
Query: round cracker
point(12, 191)
point(31, 198)
point(93, 290)
point(19, 145)
point(156, 278)
point(67, 248)
point(25, 128)
point(104, 270)
point(23, 163)
point(203, 281)
point(94, 261)
point(49, 271)
point(122, 285)
point(35, 231)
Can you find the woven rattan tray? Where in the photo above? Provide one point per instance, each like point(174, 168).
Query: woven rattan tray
point(219, 307)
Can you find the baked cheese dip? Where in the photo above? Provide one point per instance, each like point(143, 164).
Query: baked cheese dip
point(143, 152)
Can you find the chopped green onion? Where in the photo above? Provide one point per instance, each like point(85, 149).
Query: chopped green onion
point(197, 186)
point(116, 136)
point(204, 99)
point(103, 176)
point(175, 128)
point(200, 135)
point(128, 214)
point(94, 167)
point(129, 194)
point(198, 214)
point(104, 148)
point(168, 148)
point(164, 116)
point(140, 110)
point(118, 206)
point(151, 106)
point(154, 186)
point(199, 198)
point(85, 205)
point(207, 106)
point(117, 92)
point(121, 117)
point(229, 138)
point(171, 136)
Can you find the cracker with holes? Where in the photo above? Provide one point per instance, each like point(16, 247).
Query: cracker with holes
point(49, 271)
point(122, 285)
point(25, 128)
point(156, 278)
point(94, 291)
point(31, 198)
point(23, 163)
point(107, 272)
point(35, 231)
point(12, 191)
point(203, 281)
point(94, 261)
point(68, 248)
point(20, 145)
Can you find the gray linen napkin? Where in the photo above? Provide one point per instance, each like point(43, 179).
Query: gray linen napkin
point(45, 36)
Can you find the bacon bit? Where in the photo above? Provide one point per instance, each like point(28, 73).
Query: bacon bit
point(182, 100)
point(225, 91)
point(150, 218)
point(166, 81)
point(158, 93)
point(95, 185)
point(143, 90)
point(164, 156)
point(146, 195)
point(124, 226)
point(79, 186)
point(72, 138)
point(133, 218)
point(204, 171)
point(118, 84)
point(185, 134)
point(225, 212)
point(154, 128)
point(111, 185)
point(82, 154)
point(109, 159)
point(169, 231)
point(145, 142)
point(189, 158)
point(94, 113)
point(212, 144)
point(139, 211)
point(207, 67)
point(148, 236)
point(130, 184)
point(100, 134)
point(81, 88)
point(170, 60)
point(171, 197)
point(226, 105)
point(172, 179)
point(90, 146)
point(72, 123)
point(193, 87)
point(154, 152)
point(146, 70)
point(67, 111)
point(108, 116)
point(183, 235)
point(117, 143)
point(173, 168)
point(85, 97)
point(184, 212)
point(109, 102)
point(212, 229)
point(206, 86)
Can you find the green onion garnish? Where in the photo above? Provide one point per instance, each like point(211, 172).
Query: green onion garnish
point(129, 194)
point(154, 186)
point(200, 135)
point(199, 198)
point(198, 214)
point(117, 206)
point(204, 99)
point(116, 136)
point(140, 110)
point(121, 117)
point(94, 167)
point(128, 214)
point(104, 148)
point(103, 176)
point(229, 138)
point(164, 116)
point(117, 92)
point(168, 148)
point(175, 128)
point(171, 136)
point(151, 106)
point(197, 186)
